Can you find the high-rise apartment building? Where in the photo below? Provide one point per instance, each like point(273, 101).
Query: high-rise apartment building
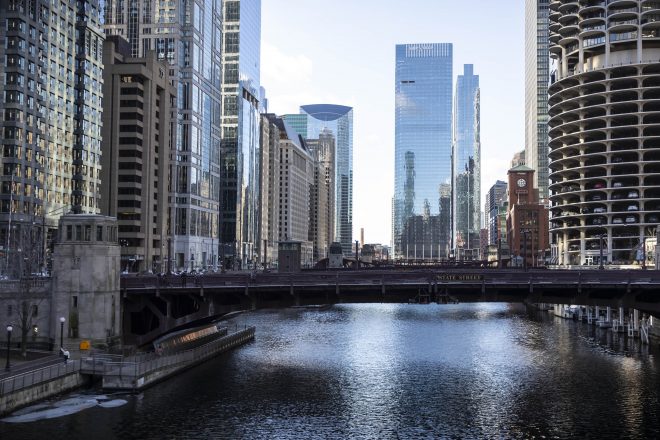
point(537, 77)
point(423, 149)
point(137, 125)
point(240, 122)
point(604, 128)
point(322, 195)
point(466, 158)
point(51, 125)
point(188, 36)
point(339, 120)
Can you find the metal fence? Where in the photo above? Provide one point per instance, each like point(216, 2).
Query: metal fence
point(35, 377)
point(137, 366)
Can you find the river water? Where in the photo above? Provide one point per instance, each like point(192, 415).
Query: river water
point(393, 371)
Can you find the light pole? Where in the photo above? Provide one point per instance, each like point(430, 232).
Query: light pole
point(62, 320)
point(9, 330)
point(357, 259)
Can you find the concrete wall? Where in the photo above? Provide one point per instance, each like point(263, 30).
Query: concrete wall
point(27, 396)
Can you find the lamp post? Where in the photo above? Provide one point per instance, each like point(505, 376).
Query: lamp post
point(62, 320)
point(9, 330)
point(357, 259)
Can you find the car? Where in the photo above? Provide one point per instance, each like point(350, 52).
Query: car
point(596, 197)
point(652, 219)
point(631, 219)
point(593, 245)
point(617, 159)
point(633, 194)
point(632, 208)
point(598, 221)
point(617, 184)
point(574, 247)
point(617, 220)
point(599, 185)
point(599, 210)
point(616, 196)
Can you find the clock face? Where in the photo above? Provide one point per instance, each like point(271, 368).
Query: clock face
point(522, 183)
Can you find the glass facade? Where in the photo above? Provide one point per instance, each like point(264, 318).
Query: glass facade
point(339, 120)
point(422, 168)
point(537, 77)
point(241, 103)
point(467, 166)
point(50, 116)
point(188, 36)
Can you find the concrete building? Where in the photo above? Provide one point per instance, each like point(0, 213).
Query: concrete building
point(296, 178)
point(518, 159)
point(188, 36)
point(466, 166)
point(51, 125)
point(322, 196)
point(138, 99)
point(423, 148)
point(527, 219)
point(603, 129)
point(537, 77)
point(271, 128)
point(85, 289)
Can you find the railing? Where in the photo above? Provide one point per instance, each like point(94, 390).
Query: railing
point(21, 381)
point(149, 363)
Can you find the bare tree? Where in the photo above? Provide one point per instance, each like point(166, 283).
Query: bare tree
point(25, 267)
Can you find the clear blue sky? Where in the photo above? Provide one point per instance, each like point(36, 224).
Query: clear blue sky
point(342, 52)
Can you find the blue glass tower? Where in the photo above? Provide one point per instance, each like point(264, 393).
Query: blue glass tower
point(240, 151)
point(339, 120)
point(467, 166)
point(421, 223)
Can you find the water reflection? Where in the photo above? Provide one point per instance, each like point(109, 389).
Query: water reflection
point(396, 371)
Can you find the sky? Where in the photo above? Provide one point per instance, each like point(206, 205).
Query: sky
point(343, 52)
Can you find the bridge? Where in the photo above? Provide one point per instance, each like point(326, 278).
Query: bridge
point(153, 305)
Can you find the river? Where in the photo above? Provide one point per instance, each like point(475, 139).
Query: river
point(380, 371)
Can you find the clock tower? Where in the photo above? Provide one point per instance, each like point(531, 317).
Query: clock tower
point(527, 220)
point(521, 191)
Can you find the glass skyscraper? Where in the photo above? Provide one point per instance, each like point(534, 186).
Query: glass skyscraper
point(537, 78)
point(421, 226)
point(311, 122)
point(241, 102)
point(467, 166)
point(188, 36)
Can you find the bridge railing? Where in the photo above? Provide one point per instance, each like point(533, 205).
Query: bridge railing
point(35, 377)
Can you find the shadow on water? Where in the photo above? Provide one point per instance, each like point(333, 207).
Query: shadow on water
point(395, 371)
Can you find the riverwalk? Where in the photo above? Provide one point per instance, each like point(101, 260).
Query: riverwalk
point(25, 386)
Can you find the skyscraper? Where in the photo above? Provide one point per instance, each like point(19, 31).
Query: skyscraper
point(423, 144)
point(188, 36)
point(537, 76)
point(241, 96)
point(466, 165)
point(339, 120)
point(604, 129)
point(51, 126)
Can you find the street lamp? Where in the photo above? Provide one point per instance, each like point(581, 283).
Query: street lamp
point(62, 320)
point(9, 330)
